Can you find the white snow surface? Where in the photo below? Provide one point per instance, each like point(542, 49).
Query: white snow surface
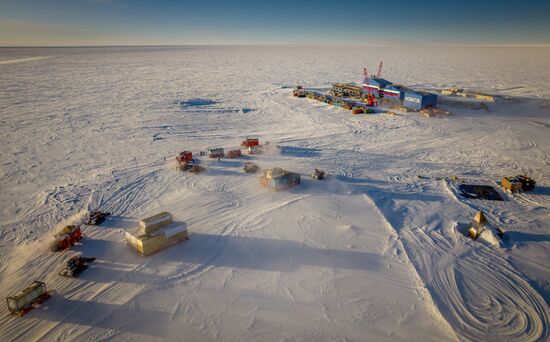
point(371, 253)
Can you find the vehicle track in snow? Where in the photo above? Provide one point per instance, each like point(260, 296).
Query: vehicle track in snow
point(474, 287)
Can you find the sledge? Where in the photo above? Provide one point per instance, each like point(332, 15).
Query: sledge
point(28, 299)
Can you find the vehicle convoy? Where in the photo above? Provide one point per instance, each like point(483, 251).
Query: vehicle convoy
point(66, 238)
point(75, 266)
point(27, 299)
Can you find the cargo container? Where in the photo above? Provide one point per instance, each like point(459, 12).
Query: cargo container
point(395, 91)
point(418, 100)
point(375, 85)
point(152, 223)
point(25, 300)
point(277, 179)
point(158, 232)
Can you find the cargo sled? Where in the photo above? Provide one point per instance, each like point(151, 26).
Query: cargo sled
point(27, 299)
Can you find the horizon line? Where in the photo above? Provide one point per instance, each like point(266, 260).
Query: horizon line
point(545, 45)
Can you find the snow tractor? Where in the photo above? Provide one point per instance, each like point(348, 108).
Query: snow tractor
point(66, 238)
point(185, 161)
point(27, 299)
point(96, 217)
point(185, 156)
point(75, 266)
point(318, 174)
point(250, 142)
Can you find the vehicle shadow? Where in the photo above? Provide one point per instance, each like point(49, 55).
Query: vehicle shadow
point(128, 317)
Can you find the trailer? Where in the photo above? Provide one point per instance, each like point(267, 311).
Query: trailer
point(234, 154)
point(216, 152)
point(27, 299)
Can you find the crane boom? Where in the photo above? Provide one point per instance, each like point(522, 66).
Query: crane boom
point(379, 73)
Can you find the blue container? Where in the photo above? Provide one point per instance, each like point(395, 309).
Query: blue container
point(375, 85)
point(417, 100)
point(395, 91)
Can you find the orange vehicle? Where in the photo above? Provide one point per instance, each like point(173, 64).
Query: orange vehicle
point(66, 238)
point(185, 156)
point(250, 142)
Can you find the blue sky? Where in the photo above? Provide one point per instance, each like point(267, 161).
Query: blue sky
point(126, 22)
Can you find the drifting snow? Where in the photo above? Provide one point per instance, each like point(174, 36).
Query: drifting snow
point(372, 252)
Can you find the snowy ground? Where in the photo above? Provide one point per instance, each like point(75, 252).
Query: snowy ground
point(373, 252)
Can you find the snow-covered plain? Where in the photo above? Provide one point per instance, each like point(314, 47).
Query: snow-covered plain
point(372, 253)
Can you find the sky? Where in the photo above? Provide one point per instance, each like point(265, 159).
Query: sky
point(211, 22)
